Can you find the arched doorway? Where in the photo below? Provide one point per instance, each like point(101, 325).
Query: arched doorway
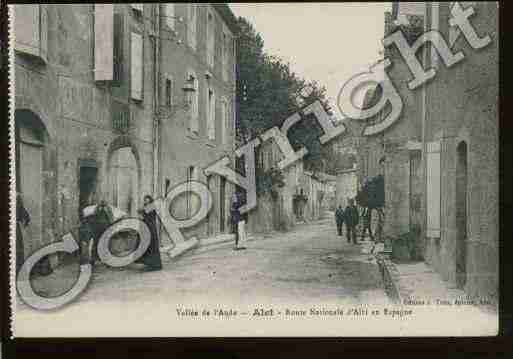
point(31, 143)
point(124, 180)
point(33, 160)
point(461, 214)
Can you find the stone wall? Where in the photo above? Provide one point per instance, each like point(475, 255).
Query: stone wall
point(463, 107)
point(76, 112)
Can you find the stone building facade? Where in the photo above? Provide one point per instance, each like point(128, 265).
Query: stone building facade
point(197, 105)
point(461, 146)
point(440, 159)
point(274, 210)
point(90, 88)
point(302, 196)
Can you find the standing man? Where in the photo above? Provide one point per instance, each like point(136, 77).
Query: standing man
point(339, 218)
point(351, 219)
point(367, 217)
point(235, 218)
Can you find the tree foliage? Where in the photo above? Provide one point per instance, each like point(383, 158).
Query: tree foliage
point(268, 92)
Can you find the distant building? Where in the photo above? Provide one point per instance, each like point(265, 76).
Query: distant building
point(302, 195)
point(346, 185)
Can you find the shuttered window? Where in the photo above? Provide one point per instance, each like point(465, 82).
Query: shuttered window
point(435, 25)
point(170, 15)
point(118, 49)
point(411, 8)
point(136, 66)
point(225, 54)
point(210, 39)
point(211, 115)
point(193, 100)
point(31, 30)
point(103, 42)
point(169, 91)
point(433, 189)
point(191, 25)
point(224, 120)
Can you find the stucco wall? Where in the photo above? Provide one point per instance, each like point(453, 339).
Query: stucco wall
point(77, 112)
point(463, 106)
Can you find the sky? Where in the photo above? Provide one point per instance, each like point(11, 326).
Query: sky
point(327, 42)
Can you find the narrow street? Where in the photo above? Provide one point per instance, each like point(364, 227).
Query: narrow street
point(309, 266)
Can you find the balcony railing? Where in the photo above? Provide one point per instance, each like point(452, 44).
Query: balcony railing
point(120, 117)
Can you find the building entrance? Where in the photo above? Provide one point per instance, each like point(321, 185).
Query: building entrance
point(461, 215)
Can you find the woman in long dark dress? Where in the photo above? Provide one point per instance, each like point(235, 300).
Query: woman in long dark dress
point(151, 258)
point(22, 220)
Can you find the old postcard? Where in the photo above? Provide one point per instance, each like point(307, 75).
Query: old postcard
point(231, 170)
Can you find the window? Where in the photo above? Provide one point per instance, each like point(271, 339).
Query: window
point(435, 25)
point(211, 114)
point(193, 102)
point(31, 30)
point(433, 189)
point(225, 54)
point(118, 49)
point(260, 158)
point(210, 39)
point(136, 66)
point(169, 91)
point(224, 120)
point(191, 25)
point(170, 15)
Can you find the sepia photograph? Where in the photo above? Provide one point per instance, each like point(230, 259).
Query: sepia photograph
point(254, 169)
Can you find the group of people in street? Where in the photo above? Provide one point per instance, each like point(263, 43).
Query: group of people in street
point(351, 217)
point(103, 217)
point(94, 223)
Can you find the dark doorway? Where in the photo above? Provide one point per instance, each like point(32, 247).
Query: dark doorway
point(416, 203)
point(222, 204)
point(461, 215)
point(87, 186)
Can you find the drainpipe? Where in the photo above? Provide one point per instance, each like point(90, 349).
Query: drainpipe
point(156, 100)
point(423, 138)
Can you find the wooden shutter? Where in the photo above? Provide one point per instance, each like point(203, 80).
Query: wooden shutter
point(43, 32)
point(433, 192)
point(136, 66)
point(435, 25)
point(225, 53)
point(224, 117)
point(191, 25)
point(210, 38)
point(411, 8)
point(26, 29)
point(103, 42)
point(118, 49)
point(170, 15)
point(212, 117)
